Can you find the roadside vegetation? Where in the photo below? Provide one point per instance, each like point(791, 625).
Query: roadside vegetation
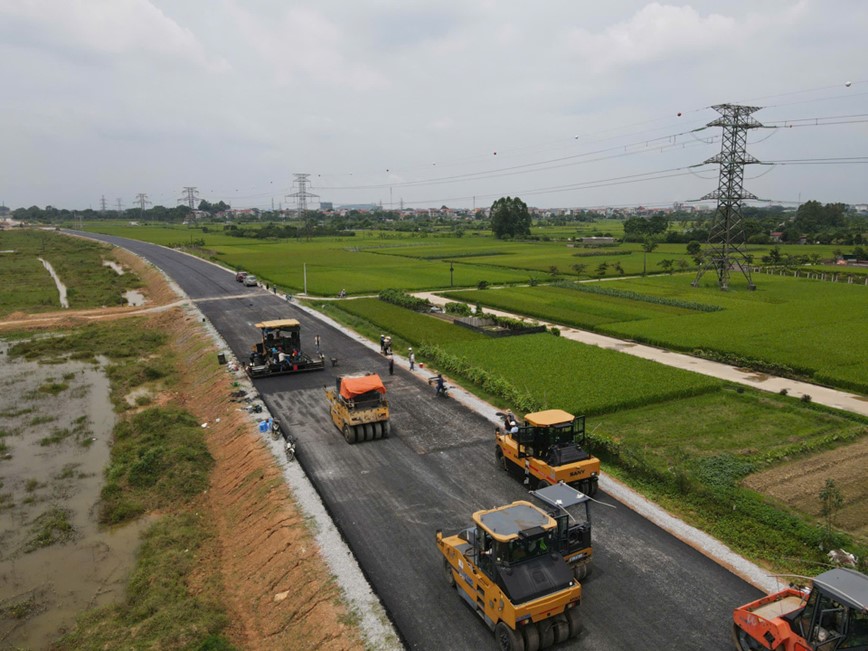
point(159, 463)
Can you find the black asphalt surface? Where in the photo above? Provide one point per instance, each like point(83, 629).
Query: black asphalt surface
point(647, 590)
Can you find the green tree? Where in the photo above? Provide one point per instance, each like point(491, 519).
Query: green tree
point(579, 268)
point(667, 265)
point(602, 268)
point(831, 502)
point(694, 248)
point(510, 218)
point(648, 245)
point(617, 267)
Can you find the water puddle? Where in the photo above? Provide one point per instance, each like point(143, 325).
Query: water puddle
point(134, 297)
point(61, 288)
point(119, 270)
point(56, 423)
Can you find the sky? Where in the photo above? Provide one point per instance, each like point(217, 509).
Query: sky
point(424, 103)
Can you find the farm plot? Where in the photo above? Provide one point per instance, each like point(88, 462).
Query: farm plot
point(789, 325)
point(413, 327)
point(707, 458)
point(563, 374)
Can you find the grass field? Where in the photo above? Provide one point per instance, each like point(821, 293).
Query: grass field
point(78, 263)
point(582, 379)
point(815, 329)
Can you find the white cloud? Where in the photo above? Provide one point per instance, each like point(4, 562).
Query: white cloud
point(654, 33)
point(304, 42)
point(102, 28)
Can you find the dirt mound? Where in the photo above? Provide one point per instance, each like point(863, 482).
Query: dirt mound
point(798, 484)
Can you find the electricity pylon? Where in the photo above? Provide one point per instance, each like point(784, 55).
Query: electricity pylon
point(726, 236)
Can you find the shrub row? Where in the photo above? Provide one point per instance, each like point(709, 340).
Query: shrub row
point(403, 299)
point(490, 382)
point(636, 296)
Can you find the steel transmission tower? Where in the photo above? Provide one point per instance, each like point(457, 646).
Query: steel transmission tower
point(190, 197)
point(301, 195)
point(142, 200)
point(726, 236)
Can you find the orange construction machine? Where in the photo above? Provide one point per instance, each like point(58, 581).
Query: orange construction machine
point(831, 616)
point(550, 447)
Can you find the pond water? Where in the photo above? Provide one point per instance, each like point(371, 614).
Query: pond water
point(56, 422)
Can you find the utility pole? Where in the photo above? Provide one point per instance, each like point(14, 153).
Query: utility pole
point(191, 196)
point(102, 205)
point(120, 207)
point(142, 200)
point(726, 237)
point(301, 195)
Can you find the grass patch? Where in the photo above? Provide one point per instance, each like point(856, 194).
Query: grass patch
point(52, 388)
point(77, 262)
point(13, 412)
point(22, 609)
point(159, 611)
point(695, 471)
point(137, 352)
point(42, 420)
point(159, 458)
point(559, 373)
point(49, 528)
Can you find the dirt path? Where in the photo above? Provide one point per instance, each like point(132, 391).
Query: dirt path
point(823, 395)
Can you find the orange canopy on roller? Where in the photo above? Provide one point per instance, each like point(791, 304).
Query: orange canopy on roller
point(352, 386)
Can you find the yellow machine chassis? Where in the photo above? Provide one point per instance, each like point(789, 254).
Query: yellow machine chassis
point(358, 425)
point(552, 616)
point(571, 473)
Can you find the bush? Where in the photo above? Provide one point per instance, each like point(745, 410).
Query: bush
point(483, 284)
point(403, 299)
point(459, 309)
point(555, 331)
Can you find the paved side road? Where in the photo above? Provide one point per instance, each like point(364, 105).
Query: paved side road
point(823, 395)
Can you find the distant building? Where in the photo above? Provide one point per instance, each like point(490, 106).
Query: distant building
point(326, 205)
point(597, 241)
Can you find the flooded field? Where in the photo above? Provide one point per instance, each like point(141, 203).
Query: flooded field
point(55, 428)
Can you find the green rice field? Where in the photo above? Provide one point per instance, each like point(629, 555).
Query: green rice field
point(815, 329)
point(582, 379)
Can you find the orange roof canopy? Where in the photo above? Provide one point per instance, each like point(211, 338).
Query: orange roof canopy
point(352, 386)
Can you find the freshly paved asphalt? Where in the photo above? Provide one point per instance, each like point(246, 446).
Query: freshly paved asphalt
point(647, 590)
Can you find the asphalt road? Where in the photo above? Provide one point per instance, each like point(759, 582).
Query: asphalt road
point(647, 590)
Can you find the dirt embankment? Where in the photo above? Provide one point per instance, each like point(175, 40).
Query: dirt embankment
point(278, 591)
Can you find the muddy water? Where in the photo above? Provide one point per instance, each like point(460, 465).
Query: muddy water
point(41, 591)
point(134, 298)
